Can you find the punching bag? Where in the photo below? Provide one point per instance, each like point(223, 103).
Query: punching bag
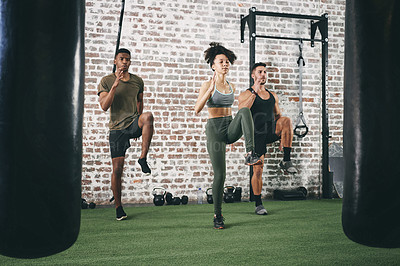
point(371, 203)
point(41, 110)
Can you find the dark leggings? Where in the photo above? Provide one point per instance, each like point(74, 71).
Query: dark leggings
point(221, 131)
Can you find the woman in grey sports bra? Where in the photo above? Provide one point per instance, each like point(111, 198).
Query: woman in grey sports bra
point(221, 128)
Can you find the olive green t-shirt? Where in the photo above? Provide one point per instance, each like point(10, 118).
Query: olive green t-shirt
point(123, 110)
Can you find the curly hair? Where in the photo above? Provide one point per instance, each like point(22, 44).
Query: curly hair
point(216, 49)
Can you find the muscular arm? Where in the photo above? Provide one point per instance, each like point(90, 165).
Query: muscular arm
point(246, 99)
point(139, 103)
point(107, 98)
point(277, 110)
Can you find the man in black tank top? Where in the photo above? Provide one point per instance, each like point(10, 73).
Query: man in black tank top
point(269, 126)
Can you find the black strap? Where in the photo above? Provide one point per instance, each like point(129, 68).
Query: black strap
point(298, 61)
point(297, 131)
point(251, 90)
point(119, 30)
point(301, 128)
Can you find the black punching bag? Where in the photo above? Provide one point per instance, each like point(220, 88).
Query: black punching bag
point(371, 203)
point(41, 110)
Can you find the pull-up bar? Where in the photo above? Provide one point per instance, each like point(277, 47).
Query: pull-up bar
point(321, 24)
point(316, 22)
point(285, 15)
point(288, 38)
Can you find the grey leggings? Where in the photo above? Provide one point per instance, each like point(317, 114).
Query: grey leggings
point(221, 131)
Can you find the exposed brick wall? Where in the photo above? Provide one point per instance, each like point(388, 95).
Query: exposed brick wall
point(167, 39)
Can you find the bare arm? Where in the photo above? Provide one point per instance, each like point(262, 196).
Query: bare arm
point(140, 103)
point(107, 98)
point(277, 110)
point(204, 94)
point(246, 99)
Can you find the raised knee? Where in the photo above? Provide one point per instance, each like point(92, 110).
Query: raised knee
point(289, 123)
point(147, 117)
point(245, 110)
point(286, 122)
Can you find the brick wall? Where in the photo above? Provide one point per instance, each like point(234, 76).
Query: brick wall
point(167, 39)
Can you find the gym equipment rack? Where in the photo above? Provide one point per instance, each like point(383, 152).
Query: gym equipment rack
point(316, 22)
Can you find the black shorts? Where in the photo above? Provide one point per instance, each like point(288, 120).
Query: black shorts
point(263, 136)
point(119, 139)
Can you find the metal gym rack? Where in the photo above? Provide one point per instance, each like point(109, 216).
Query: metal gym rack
point(317, 23)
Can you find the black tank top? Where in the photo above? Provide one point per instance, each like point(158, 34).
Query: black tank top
point(262, 111)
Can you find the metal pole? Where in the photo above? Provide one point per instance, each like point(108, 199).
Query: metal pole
point(252, 36)
point(252, 60)
point(326, 182)
point(288, 15)
point(288, 38)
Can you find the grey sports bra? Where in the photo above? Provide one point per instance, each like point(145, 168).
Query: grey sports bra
point(219, 99)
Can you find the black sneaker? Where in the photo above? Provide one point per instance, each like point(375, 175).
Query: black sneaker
point(219, 222)
point(145, 167)
point(121, 215)
point(288, 167)
point(252, 158)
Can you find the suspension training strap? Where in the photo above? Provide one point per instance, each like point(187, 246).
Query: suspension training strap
point(301, 130)
point(121, 17)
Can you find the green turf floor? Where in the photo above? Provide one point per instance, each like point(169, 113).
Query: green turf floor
point(294, 233)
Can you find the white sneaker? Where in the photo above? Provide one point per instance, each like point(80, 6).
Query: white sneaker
point(260, 210)
point(288, 167)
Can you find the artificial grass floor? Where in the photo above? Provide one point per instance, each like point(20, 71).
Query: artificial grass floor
point(294, 233)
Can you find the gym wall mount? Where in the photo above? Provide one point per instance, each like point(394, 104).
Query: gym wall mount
point(319, 23)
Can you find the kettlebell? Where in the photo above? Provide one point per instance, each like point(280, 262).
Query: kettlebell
point(169, 198)
point(158, 197)
point(84, 204)
point(228, 194)
point(303, 189)
point(209, 196)
point(176, 201)
point(238, 194)
point(185, 200)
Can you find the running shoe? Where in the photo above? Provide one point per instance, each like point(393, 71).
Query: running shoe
point(288, 167)
point(121, 215)
point(145, 167)
point(219, 222)
point(252, 158)
point(260, 210)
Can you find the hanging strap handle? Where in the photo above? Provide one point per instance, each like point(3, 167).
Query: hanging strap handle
point(301, 130)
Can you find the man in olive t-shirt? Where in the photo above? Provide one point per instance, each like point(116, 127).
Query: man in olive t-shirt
point(122, 93)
